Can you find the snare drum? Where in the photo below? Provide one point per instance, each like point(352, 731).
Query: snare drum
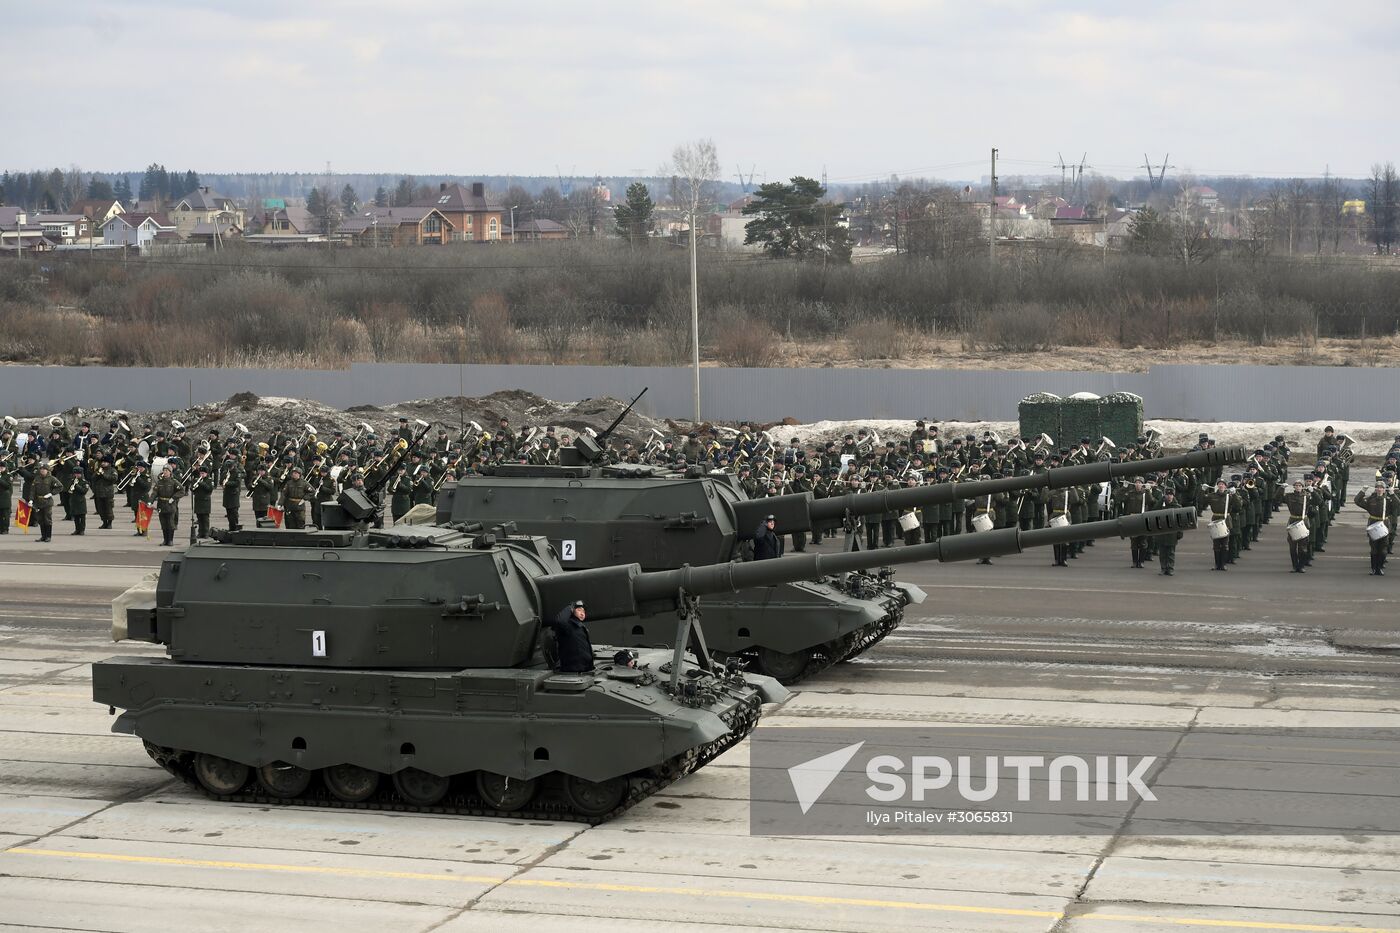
point(982, 522)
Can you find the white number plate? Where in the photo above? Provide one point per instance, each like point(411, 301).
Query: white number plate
point(318, 644)
point(568, 549)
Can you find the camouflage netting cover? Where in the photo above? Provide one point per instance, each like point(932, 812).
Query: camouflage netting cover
point(1121, 417)
point(1040, 414)
point(1081, 416)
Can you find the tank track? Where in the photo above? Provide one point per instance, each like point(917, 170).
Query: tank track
point(549, 803)
point(873, 634)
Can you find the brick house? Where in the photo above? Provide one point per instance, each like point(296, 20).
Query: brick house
point(398, 226)
point(473, 216)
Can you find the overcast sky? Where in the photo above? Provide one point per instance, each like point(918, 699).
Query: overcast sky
point(862, 89)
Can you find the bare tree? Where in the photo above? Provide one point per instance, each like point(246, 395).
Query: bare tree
point(1383, 209)
point(694, 172)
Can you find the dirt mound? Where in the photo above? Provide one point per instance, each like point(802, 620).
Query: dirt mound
point(262, 416)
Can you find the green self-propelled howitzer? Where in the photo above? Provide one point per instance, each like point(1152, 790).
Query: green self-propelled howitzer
point(598, 514)
point(406, 669)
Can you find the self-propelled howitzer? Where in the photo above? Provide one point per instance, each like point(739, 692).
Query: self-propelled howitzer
point(598, 515)
point(407, 670)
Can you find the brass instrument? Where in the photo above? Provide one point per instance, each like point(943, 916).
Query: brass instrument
point(194, 467)
point(125, 480)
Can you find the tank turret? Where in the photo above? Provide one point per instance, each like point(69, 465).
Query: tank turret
point(601, 516)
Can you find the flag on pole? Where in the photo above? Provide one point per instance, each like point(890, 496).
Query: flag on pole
point(22, 513)
point(275, 514)
point(143, 516)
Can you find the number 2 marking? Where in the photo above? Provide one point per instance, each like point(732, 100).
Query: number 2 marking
point(570, 549)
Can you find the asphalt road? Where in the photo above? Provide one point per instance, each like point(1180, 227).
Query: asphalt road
point(94, 837)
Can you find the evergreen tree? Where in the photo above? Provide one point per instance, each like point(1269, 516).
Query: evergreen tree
point(381, 197)
point(7, 189)
point(54, 198)
point(633, 216)
point(190, 183)
point(403, 192)
point(791, 220)
point(349, 203)
point(324, 209)
point(99, 189)
point(122, 191)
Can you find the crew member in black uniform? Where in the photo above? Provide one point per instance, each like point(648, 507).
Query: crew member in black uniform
point(574, 647)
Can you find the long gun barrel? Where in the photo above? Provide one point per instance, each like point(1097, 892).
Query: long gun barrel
point(612, 592)
point(797, 512)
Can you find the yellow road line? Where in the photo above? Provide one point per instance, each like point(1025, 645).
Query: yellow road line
point(252, 866)
point(814, 900)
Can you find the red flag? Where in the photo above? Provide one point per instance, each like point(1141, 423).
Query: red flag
point(143, 516)
point(22, 513)
point(274, 513)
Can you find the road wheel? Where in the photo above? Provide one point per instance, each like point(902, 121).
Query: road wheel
point(595, 798)
point(787, 667)
point(419, 787)
point(503, 793)
point(219, 775)
point(283, 780)
point(351, 783)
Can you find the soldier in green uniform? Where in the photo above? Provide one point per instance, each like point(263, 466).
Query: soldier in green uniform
point(104, 484)
point(1299, 506)
point(1134, 500)
point(1217, 500)
point(400, 493)
point(1166, 544)
point(202, 498)
point(1061, 503)
point(1380, 506)
point(294, 500)
point(233, 493)
point(136, 490)
point(165, 494)
point(7, 489)
point(423, 492)
point(42, 492)
point(800, 482)
point(77, 500)
point(262, 491)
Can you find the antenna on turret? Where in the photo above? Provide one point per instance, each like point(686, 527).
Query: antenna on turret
point(588, 446)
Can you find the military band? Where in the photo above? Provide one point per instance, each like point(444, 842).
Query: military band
point(292, 471)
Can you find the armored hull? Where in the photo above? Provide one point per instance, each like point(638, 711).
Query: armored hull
point(502, 743)
point(404, 671)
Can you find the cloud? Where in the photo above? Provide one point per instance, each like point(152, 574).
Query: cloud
point(428, 86)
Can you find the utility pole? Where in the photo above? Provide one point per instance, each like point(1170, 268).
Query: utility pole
point(992, 213)
point(694, 303)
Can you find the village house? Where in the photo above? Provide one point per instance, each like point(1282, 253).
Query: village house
point(472, 215)
point(97, 211)
point(202, 206)
point(397, 226)
point(135, 229)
